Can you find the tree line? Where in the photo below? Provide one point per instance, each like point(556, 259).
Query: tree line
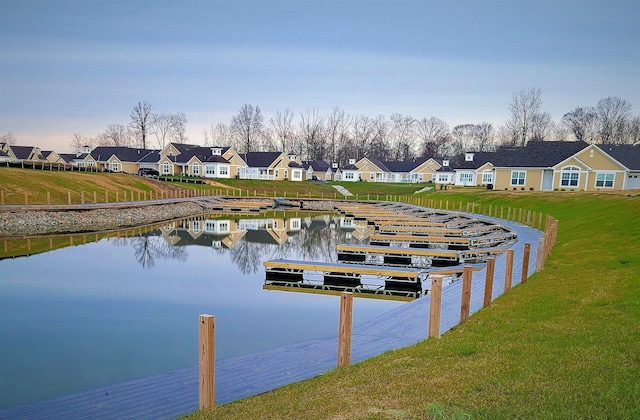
point(339, 136)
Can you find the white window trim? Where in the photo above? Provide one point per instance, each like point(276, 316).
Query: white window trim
point(518, 184)
point(604, 174)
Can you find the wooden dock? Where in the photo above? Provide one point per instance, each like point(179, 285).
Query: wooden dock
point(396, 256)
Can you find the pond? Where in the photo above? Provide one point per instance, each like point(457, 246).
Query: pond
point(89, 310)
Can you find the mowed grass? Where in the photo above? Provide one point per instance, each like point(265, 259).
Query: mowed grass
point(563, 345)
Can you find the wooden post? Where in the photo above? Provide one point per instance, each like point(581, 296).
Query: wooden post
point(26, 198)
point(48, 197)
point(106, 196)
point(95, 197)
point(541, 253)
point(82, 197)
point(344, 329)
point(525, 263)
point(488, 283)
point(117, 196)
point(2, 195)
point(69, 197)
point(435, 306)
point(508, 273)
point(207, 362)
point(465, 305)
point(138, 196)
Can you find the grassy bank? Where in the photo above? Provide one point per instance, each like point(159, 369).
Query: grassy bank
point(563, 345)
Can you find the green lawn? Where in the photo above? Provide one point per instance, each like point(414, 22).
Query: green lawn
point(563, 345)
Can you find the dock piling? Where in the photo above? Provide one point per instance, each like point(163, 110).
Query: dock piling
point(435, 306)
point(344, 332)
point(207, 362)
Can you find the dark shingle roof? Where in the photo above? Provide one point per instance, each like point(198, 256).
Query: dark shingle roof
point(259, 159)
point(479, 159)
point(537, 154)
point(124, 154)
point(316, 165)
point(22, 152)
point(399, 166)
point(626, 154)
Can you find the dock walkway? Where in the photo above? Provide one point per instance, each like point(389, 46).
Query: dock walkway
point(174, 394)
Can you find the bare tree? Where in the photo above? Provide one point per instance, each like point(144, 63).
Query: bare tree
point(78, 141)
point(464, 139)
point(541, 126)
point(336, 131)
point(380, 147)
point(312, 134)
point(433, 134)
point(142, 121)
point(613, 116)
point(281, 123)
point(403, 135)
point(581, 123)
point(8, 138)
point(525, 107)
point(116, 135)
point(484, 141)
point(168, 127)
point(247, 126)
point(362, 131)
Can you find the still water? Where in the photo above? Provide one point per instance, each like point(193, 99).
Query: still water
point(120, 308)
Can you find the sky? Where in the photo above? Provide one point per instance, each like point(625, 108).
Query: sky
point(76, 66)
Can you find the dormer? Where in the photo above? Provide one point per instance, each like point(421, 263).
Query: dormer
point(216, 151)
point(468, 157)
point(445, 162)
point(352, 161)
point(334, 165)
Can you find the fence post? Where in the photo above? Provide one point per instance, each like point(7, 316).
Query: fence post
point(49, 197)
point(26, 198)
point(69, 197)
point(542, 252)
point(344, 330)
point(82, 197)
point(525, 263)
point(508, 274)
point(465, 305)
point(435, 306)
point(95, 197)
point(207, 362)
point(488, 283)
point(106, 196)
point(2, 195)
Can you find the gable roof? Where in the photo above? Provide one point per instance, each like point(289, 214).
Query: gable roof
point(399, 166)
point(22, 152)
point(259, 159)
point(537, 154)
point(479, 159)
point(124, 154)
point(626, 154)
point(316, 165)
point(204, 154)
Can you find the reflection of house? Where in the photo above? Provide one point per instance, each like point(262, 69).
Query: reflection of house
point(204, 232)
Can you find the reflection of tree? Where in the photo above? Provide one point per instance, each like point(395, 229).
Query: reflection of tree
point(248, 255)
point(148, 249)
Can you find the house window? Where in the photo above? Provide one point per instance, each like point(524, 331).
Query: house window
point(487, 177)
point(277, 173)
point(466, 178)
point(371, 176)
point(518, 177)
point(196, 226)
point(166, 168)
point(295, 224)
point(210, 170)
point(443, 178)
point(570, 176)
point(223, 170)
point(348, 175)
point(223, 227)
point(195, 169)
point(115, 166)
point(605, 179)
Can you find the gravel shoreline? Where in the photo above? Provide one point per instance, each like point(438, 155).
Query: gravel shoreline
point(73, 221)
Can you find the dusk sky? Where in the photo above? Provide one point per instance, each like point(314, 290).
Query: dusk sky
point(77, 66)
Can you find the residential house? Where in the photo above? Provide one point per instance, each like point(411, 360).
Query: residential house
point(568, 166)
point(24, 153)
point(414, 170)
point(317, 170)
point(270, 166)
point(75, 159)
point(350, 172)
point(120, 159)
point(476, 169)
point(445, 175)
point(192, 160)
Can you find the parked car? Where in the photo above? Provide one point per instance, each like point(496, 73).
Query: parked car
point(148, 172)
